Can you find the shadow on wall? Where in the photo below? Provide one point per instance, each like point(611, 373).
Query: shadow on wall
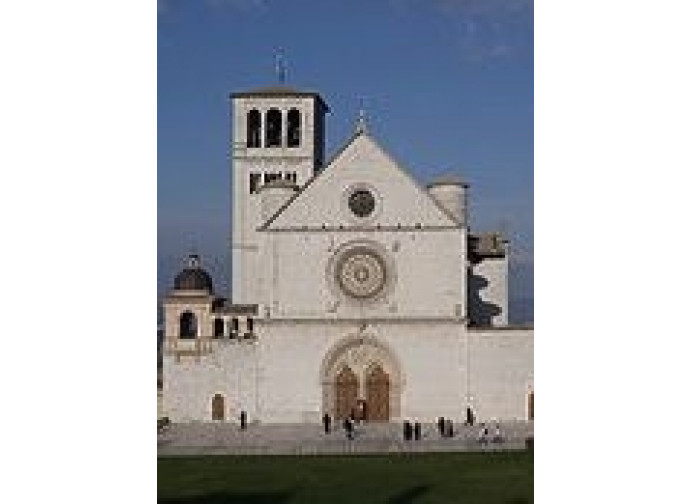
point(481, 312)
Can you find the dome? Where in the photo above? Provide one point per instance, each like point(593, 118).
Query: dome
point(193, 277)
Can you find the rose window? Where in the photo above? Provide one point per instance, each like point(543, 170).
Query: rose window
point(361, 273)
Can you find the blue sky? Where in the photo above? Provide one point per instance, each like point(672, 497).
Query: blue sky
point(447, 84)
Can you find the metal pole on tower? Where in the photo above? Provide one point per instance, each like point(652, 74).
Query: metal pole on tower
point(280, 66)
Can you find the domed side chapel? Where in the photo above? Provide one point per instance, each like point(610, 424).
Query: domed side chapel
point(354, 289)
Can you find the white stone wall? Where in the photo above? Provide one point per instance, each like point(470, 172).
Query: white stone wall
point(426, 274)
point(284, 367)
point(432, 359)
point(190, 383)
point(452, 197)
point(400, 200)
point(429, 356)
point(501, 365)
point(291, 357)
point(277, 378)
point(247, 218)
point(246, 211)
point(423, 245)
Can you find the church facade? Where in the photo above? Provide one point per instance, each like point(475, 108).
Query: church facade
point(355, 290)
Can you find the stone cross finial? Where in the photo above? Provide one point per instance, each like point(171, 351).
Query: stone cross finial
point(361, 126)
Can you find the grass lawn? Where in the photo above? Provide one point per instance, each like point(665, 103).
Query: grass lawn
point(476, 478)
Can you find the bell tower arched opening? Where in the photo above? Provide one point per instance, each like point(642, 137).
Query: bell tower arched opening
point(188, 325)
point(274, 128)
point(254, 128)
point(294, 128)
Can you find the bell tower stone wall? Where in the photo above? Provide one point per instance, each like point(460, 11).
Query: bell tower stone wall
point(278, 134)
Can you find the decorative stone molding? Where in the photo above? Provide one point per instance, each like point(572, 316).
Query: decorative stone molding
point(361, 272)
point(361, 353)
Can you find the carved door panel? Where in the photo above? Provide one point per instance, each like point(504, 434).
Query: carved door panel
point(378, 395)
point(346, 386)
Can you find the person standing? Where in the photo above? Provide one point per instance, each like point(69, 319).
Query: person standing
point(349, 427)
point(484, 434)
point(361, 411)
point(498, 438)
point(469, 420)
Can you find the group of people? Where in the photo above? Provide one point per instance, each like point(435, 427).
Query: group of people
point(163, 424)
point(486, 437)
point(412, 430)
point(348, 425)
point(445, 427)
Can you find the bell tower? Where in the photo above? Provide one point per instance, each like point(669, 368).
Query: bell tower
point(278, 134)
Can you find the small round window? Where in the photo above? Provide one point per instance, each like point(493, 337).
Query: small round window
point(361, 202)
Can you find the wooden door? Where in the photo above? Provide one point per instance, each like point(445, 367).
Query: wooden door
point(530, 406)
point(346, 386)
point(217, 407)
point(378, 395)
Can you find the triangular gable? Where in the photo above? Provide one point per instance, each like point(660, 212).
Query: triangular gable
point(361, 163)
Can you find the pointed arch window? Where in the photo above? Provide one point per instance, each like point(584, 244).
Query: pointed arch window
point(294, 128)
point(254, 128)
point(188, 325)
point(274, 128)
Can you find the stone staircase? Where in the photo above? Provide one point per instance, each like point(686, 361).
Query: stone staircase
point(310, 439)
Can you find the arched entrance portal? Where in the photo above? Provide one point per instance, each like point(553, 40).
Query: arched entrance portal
point(378, 395)
point(346, 388)
point(218, 408)
point(361, 375)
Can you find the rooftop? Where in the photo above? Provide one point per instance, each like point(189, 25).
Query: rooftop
point(449, 179)
point(279, 91)
point(484, 245)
